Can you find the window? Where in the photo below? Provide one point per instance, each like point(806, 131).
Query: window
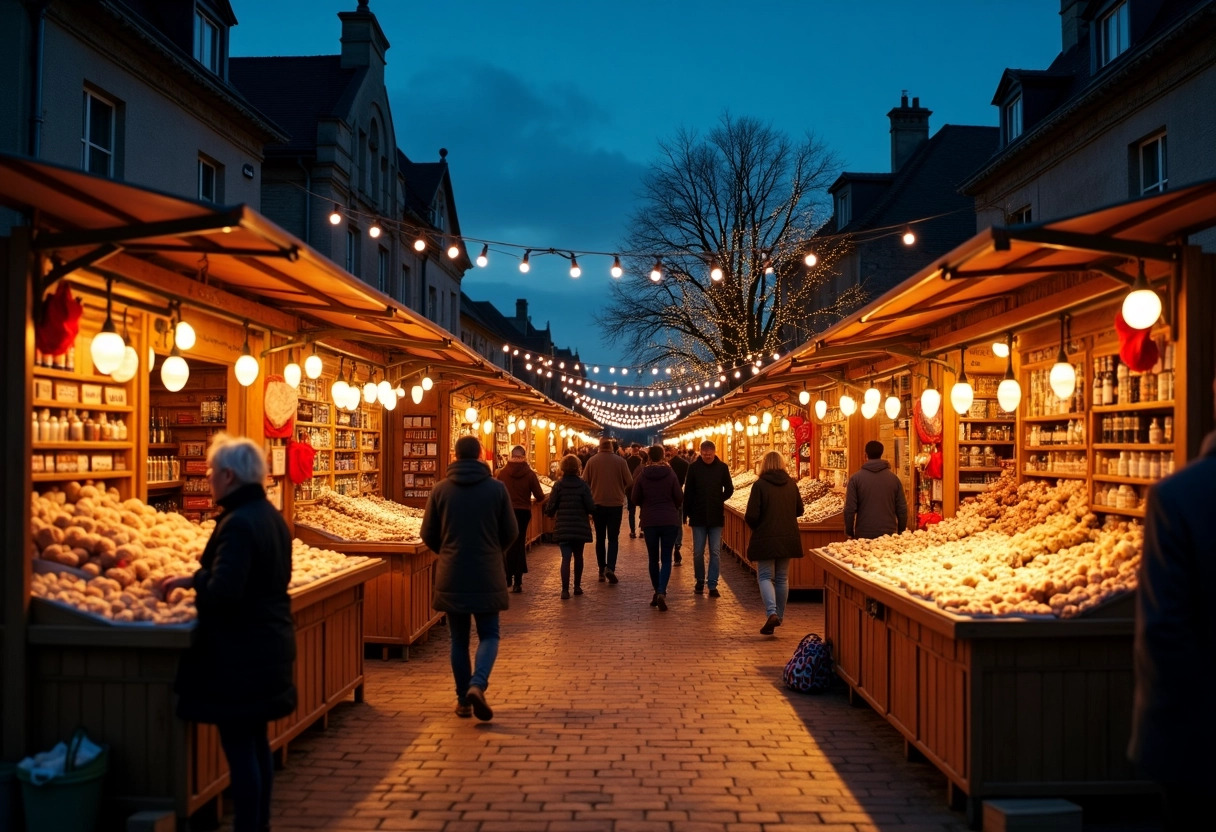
point(1019, 217)
point(454, 321)
point(206, 42)
point(363, 161)
point(382, 270)
point(432, 304)
point(373, 146)
point(407, 287)
point(1112, 34)
point(1013, 119)
point(97, 136)
point(208, 180)
point(844, 209)
point(439, 212)
point(352, 246)
point(1154, 173)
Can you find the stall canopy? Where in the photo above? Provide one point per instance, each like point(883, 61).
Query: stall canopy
point(161, 246)
point(984, 284)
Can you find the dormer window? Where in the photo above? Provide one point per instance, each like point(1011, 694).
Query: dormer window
point(439, 212)
point(1112, 34)
point(844, 208)
point(206, 41)
point(1011, 123)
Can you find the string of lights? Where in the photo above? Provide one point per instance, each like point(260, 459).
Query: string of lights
point(426, 238)
point(614, 419)
point(636, 408)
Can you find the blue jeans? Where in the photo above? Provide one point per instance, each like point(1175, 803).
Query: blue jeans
point(607, 530)
point(487, 650)
point(773, 577)
point(699, 536)
point(660, 541)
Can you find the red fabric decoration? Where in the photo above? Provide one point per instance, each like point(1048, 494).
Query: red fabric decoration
point(279, 402)
point(929, 430)
point(299, 461)
point(927, 519)
point(1137, 349)
point(60, 322)
point(934, 469)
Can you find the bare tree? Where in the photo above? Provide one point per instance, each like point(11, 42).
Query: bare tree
point(746, 200)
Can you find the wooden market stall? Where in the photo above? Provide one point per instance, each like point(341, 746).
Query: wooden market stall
point(245, 286)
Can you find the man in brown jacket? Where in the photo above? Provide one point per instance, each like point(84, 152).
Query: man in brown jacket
point(610, 480)
point(874, 502)
point(522, 484)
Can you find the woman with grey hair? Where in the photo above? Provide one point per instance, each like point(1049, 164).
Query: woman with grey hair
point(237, 674)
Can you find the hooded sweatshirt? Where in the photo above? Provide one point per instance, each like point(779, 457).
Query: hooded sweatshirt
point(656, 490)
point(609, 478)
point(522, 484)
point(773, 509)
point(468, 524)
point(874, 501)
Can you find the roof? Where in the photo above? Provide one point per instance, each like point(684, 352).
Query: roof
point(148, 241)
point(1027, 274)
point(296, 92)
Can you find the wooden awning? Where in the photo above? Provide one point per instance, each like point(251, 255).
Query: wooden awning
point(164, 246)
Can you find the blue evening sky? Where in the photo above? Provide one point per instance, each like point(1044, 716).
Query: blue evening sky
point(551, 111)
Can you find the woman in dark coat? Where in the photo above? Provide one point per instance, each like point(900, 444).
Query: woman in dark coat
point(656, 491)
point(773, 509)
point(238, 672)
point(571, 504)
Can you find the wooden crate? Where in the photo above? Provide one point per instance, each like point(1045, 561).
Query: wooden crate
point(397, 605)
point(117, 681)
point(805, 572)
point(1004, 707)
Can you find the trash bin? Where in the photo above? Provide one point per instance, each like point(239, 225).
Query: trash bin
point(70, 801)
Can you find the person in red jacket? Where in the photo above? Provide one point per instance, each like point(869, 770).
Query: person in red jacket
point(522, 484)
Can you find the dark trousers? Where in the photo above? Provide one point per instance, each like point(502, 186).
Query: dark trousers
point(631, 508)
point(572, 550)
point(607, 531)
point(660, 541)
point(516, 556)
point(251, 771)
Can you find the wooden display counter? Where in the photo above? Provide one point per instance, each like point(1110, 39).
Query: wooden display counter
point(397, 607)
point(805, 572)
point(117, 681)
point(538, 525)
point(1004, 707)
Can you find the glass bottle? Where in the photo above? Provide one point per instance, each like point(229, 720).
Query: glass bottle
point(75, 427)
point(1154, 467)
point(1154, 432)
point(1108, 390)
point(1121, 471)
point(1167, 433)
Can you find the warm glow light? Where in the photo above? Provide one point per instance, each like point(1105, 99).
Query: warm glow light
point(909, 238)
point(524, 265)
point(420, 244)
point(715, 273)
point(962, 395)
point(575, 271)
point(374, 231)
point(738, 426)
point(416, 394)
point(353, 397)
point(390, 402)
point(427, 384)
point(483, 259)
point(453, 251)
point(129, 366)
point(873, 395)
point(337, 391)
point(930, 401)
point(767, 417)
point(810, 259)
point(869, 409)
point(313, 366)
point(1009, 394)
point(785, 424)
point(246, 370)
point(1063, 378)
point(335, 216)
point(174, 373)
point(753, 419)
point(370, 392)
point(892, 406)
point(1000, 349)
point(510, 428)
point(1141, 307)
point(656, 271)
point(292, 374)
point(821, 409)
point(107, 350)
point(183, 335)
point(151, 358)
point(847, 405)
point(384, 389)
point(617, 271)
point(487, 427)
point(470, 414)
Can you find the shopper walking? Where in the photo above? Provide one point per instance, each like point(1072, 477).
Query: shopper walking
point(1175, 646)
point(874, 502)
point(680, 465)
point(571, 504)
point(468, 523)
point(608, 476)
point(773, 509)
point(635, 459)
point(523, 485)
point(656, 491)
point(706, 491)
point(237, 674)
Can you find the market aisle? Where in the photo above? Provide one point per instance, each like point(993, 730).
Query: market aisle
point(610, 715)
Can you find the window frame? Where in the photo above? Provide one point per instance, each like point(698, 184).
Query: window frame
point(1022, 216)
point(203, 22)
point(1120, 15)
point(206, 164)
point(1011, 116)
point(1161, 184)
point(86, 138)
point(352, 246)
point(844, 207)
point(382, 265)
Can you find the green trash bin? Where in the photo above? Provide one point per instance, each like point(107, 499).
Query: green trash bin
point(70, 801)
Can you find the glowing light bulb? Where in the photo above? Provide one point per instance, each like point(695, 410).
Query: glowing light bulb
point(1063, 378)
point(962, 394)
point(930, 401)
point(909, 238)
point(427, 384)
point(313, 366)
point(892, 406)
point(1009, 395)
point(483, 259)
point(128, 367)
point(337, 391)
point(575, 271)
point(869, 409)
point(453, 251)
point(872, 395)
point(821, 409)
point(174, 373)
point(183, 335)
point(811, 259)
point(470, 414)
point(847, 405)
point(416, 394)
point(616, 270)
point(107, 349)
point(374, 231)
point(804, 398)
point(420, 244)
point(292, 374)
point(370, 392)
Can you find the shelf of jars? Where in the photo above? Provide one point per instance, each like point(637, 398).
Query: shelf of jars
point(1052, 429)
point(985, 437)
point(80, 422)
point(833, 456)
point(346, 443)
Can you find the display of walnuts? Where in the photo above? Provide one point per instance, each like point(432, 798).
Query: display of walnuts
point(819, 502)
point(366, 518)
point(119, 551)
point(1029, 549)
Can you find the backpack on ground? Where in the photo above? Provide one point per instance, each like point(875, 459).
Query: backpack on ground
point(810, 669)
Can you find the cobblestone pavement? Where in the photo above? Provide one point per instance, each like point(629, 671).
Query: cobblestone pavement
point(612, 716)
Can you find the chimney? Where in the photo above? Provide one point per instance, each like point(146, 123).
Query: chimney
point(521, 310)
point(909, 130)
point(363, 41)
point(1073, 25)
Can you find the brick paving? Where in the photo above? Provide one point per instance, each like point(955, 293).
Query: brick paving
point(611, 716)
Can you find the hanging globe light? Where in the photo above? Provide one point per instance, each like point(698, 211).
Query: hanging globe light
point(804, 397)
point(821, 410)
point(1141, 306)
point(962, 395)
point(873, 395)
point(292, 374)
point(370, 391)
point(892, 406)
point(470, 414)
point(390, 401)
point(174, 371)
point(1063, 376)
point(108, 347)
point(869, 409)
point(487, 427)
point(183, 334)
point(1009, 393)
point(930, 399)
point(313, 364)
point(416, 394)
point(129, 366)
point(427, 384)
point(337, 390)
point(246, 366)
point(847, 405)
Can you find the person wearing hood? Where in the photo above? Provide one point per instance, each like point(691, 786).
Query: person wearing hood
point(656, 491)
point(773, 509)
point(571, 505)
point(522, 484)
point(467, 524)
point(874, 502)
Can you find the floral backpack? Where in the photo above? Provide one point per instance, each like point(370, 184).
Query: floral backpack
point(810, 669)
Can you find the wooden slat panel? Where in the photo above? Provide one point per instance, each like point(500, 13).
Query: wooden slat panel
point(904, 684)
